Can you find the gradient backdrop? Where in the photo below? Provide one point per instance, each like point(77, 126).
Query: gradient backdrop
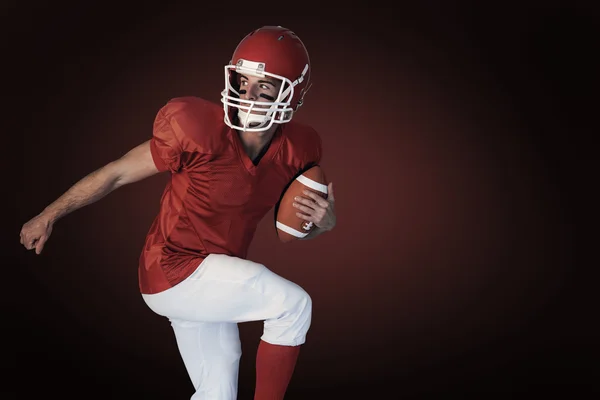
point(451, 269)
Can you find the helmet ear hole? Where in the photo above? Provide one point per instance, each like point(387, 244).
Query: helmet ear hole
point(302, 94)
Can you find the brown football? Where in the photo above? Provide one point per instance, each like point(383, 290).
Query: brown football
point(289, 225)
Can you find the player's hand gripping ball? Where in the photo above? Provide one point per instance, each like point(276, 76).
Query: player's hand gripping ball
point(289, 225)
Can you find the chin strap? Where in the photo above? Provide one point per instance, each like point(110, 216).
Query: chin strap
point(247, 118)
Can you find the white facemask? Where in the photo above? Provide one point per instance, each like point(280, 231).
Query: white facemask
point(249, 119)
point(280, 110)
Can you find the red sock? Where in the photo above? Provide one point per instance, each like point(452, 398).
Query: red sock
point(274, 368)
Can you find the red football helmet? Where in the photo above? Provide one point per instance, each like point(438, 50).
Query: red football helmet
point(271, 51)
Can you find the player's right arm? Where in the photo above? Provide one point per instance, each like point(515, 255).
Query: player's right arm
point(135, 165)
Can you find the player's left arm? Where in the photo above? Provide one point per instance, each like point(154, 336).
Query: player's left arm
point(314, 208)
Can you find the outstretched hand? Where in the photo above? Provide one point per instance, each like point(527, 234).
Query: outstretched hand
point(35, 233)
point(314, 208)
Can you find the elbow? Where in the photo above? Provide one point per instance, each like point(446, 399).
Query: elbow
point(117, 183)
point(114, 179)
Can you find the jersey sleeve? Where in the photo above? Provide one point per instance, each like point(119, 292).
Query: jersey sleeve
point(165, 146)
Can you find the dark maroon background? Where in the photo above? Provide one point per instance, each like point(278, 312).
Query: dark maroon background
point(449, 136)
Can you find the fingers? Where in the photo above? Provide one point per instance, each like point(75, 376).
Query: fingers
point(310, 214)
point(314, 218)
point(29, 245)
point(305, 217)
point(23, 236)
point(316, 199)
point(40, 245)
point(298, 201)
point(306, 209)
point(315, 208)
point(30, 241)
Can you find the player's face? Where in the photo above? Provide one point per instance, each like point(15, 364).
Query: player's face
point(262, 89)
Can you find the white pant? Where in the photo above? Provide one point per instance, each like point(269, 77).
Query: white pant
point(204, 311)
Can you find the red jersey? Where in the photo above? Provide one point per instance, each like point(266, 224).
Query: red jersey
point(216, 195)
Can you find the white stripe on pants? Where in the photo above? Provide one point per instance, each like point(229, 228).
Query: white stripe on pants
point(204, 311)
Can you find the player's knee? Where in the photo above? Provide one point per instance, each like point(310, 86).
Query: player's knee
point(294, 319)
point(306, 304)
point(301, 303)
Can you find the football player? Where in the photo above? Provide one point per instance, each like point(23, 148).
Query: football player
point(229, 164)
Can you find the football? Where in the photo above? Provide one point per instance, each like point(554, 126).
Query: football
point(289, 225)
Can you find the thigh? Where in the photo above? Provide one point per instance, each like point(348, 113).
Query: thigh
point(211, 353)
point(207, 341)
point(226, 289)
point(214, 337)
